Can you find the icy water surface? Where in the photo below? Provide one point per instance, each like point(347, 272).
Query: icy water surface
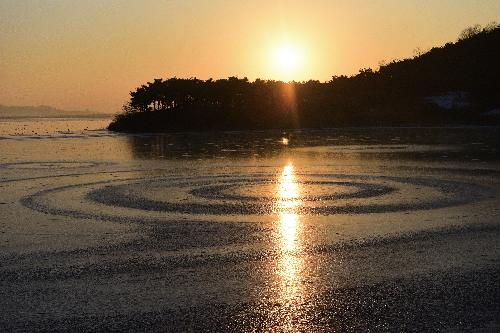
point(50, 127)
point(388, 229)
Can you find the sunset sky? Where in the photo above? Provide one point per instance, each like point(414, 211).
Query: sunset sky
point(89, 54)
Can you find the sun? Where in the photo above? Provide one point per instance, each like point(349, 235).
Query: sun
point(286, 59)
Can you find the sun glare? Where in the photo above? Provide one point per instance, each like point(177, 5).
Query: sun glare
point(287, 59)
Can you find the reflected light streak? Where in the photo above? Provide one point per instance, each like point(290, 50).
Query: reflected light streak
point(288, 200)
point(290, 264)
point(289, 231)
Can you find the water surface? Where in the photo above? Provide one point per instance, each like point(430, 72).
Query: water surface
point(312, 230)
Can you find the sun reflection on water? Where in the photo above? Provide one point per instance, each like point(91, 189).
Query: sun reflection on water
point(290, 265)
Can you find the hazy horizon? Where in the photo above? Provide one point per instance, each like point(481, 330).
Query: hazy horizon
point(89, 55)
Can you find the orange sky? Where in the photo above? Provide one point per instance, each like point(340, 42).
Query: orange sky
point(90, 54)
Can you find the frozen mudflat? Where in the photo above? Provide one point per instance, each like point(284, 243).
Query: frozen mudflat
point(338, 230)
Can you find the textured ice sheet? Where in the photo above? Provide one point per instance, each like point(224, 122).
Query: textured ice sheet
point(235, 232)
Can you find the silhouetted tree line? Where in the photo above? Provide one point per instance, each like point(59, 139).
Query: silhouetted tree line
point(395, 94)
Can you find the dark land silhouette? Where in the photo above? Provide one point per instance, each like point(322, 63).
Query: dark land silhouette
point(458, 83)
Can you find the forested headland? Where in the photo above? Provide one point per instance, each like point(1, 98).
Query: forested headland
point(458, 83)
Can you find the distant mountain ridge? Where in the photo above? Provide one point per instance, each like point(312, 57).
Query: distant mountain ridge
point(44, 111)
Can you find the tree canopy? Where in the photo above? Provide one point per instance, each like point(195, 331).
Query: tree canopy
point(394, 94)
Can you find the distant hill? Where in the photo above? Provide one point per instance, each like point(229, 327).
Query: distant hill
point(458, 83)
point(45, 112)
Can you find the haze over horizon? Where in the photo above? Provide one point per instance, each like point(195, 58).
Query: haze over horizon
point(89, 55)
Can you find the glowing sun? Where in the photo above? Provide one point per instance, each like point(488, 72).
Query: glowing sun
point(287, 58)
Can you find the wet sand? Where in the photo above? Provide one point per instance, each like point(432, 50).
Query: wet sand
point(340, 230)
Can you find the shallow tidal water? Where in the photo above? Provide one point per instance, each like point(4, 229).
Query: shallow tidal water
point(381, 229)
